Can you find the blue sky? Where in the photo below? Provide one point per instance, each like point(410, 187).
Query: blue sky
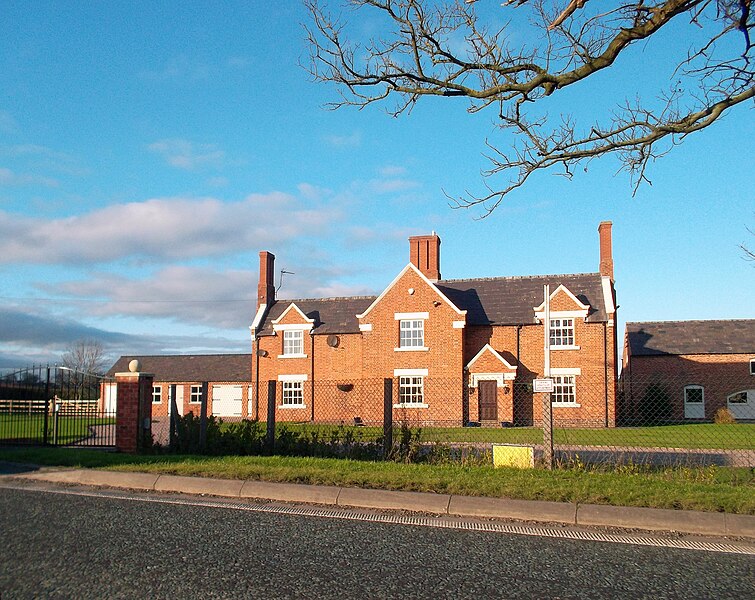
point(150, 150)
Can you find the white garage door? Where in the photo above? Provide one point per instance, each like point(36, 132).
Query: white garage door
point(226, 400)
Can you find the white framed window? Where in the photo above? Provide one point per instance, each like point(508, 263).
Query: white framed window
point(411, 333)
point(738, 398)
point(752, 366)
point(411, 390)
point(157, 394)
point(564, 390)
point(195, 397)
point(293, 342)
point(562, 332)
point(694, 394)
point(293, 393)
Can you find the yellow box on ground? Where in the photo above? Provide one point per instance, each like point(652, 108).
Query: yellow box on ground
point(512, 455)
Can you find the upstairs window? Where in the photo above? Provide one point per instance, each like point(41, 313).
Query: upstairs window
point(157, 394)
point(412, 333)
point(293, 342)
point(752, 366)
point(562, 332)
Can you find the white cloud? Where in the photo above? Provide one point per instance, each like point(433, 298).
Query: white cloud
point(184, 154)
point(344, 141)
point(161, 229)
point(8, 177)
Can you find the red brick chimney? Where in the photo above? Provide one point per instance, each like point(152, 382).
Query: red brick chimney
point(606, 253)
point(266, 285)
point(424, 253)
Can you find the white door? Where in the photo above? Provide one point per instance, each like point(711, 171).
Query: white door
point(742, 404)
point(111, 397)
point(694, 402)
point(180, 399)
point(226, 400)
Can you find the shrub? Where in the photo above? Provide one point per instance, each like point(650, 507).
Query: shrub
point(723, 416)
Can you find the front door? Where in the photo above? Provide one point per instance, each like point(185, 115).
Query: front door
point(488, 397)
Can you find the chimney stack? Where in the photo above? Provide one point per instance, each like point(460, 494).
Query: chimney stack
point(606, 252)
point(266, 285)
point(424, 253)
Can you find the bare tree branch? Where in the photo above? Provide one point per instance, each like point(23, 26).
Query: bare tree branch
point(419, 54)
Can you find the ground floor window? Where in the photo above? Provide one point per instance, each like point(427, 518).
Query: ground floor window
point(293, 393)
point(411, 390)
point(196, 394)
point(157, 394)
point(564, 389)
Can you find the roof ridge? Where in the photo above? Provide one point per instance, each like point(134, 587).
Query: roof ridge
point(689, 321)
point(514, 277)
point(326, 298)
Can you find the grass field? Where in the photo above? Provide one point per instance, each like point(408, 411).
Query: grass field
point(716, 489)
point(29, 428)
point(738, 436)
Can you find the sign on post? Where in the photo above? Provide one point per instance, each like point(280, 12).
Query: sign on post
point(542, 386)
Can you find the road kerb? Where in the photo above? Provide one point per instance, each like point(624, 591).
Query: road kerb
point(199, 485)
point(740, 525)
point(655, 519)
point(393, 500)
point(290, 492)
point(504, 508)
point(62, 476)
point(124, 479)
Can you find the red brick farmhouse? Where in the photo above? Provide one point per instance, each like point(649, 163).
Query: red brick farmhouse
point(458, 351)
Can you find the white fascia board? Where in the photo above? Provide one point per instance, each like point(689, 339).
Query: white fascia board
point(292, 377)
point(562, 288)
point(416, 316)
point(608, 299)
point(489, 348)
point(425, 279)
point(410, 372)
point(288, 308)
point(293, 327)
point(257, 320)
point(563, 314)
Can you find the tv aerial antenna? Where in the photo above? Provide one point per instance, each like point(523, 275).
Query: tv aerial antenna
point(280, 279)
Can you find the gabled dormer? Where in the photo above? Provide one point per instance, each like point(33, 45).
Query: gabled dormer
point(291, 326)
point(565, 310)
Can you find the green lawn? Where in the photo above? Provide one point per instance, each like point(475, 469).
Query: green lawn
point(30, 427)
point(738, 436)
point(717, 489)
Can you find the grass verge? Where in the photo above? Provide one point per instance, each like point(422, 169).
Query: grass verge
point(715, 489)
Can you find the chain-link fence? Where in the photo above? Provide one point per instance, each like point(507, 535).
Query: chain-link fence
point(648, 420)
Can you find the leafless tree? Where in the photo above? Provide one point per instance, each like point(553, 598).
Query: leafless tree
point(85, 356)
point(428, 48)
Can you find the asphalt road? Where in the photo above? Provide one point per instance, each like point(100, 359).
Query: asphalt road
point(64, 546)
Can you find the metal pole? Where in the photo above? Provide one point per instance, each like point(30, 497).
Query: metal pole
point(387, 417)
point(547, 405)
point(46, 425)
point(203, 418)
point(270, 433)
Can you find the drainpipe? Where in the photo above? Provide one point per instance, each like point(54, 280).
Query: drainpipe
point(256, 380)
point(312, 371)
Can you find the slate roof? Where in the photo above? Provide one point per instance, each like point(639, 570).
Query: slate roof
point(658, 338)
point(489, 301)
point(190, 367)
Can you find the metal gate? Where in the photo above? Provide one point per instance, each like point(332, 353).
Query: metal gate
point(57, 406)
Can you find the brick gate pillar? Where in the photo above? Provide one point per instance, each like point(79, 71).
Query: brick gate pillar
point(133, 413)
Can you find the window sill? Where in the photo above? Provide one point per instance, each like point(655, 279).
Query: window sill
point(566, 405)
point(283, 406)
point(411, 405)
point(292, 356)
point(412, 349)
point(565, 347)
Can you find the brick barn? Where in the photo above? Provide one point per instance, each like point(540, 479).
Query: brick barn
point(695, 367)
point(458, 351)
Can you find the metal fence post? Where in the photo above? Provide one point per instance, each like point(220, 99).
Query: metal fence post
point(203, 418)
point(270, 437)
point(45, 426)
point(387, 417)
point(547, 431)
point(173, 435)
